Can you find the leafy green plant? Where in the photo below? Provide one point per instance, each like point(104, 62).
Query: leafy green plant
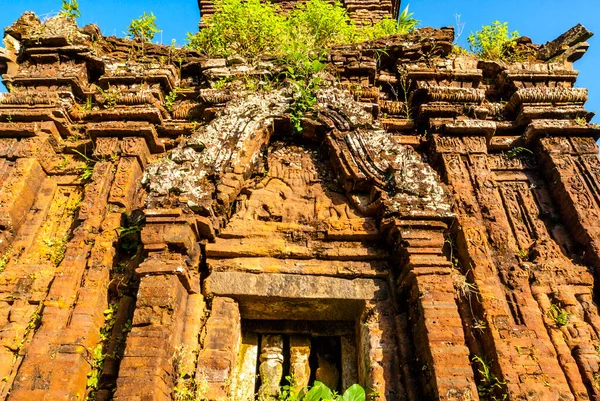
point(87, 170)
point(125, 231)
point(299, 42)
point(70, 9)
point(88, 106)
point(34, 323)
point(252, 28)
point(493, 42)
point(580, 121)
point(516, 151)
point(304, 97)
point(560, 316)
point(523, 254)
point(320, 391)
point(143, 28)
point(93, 378)
point(98, 355)
point(489, 387)
point(110, 97)
point(171, 98)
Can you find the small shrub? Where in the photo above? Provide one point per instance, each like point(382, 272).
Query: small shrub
point(247, 28)
point(70, 9)
point(253, 28)
point(559, 315)
point(143, 28)
point(170, 99)
point(493, 42)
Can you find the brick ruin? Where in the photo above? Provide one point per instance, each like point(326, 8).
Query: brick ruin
point(438, 217)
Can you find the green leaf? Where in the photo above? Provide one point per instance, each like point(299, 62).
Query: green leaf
point(319, 392)
point(354, 393)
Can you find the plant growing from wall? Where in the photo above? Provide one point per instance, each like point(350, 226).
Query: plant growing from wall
point(559, 315)
point(253, 28)
point(70, 9)
point(98, 355)
point(5, 258)
point(300, 42)
point(490, 387)
point(171, 98)
point(143, 28)
point(493, 42)
point(87, 170)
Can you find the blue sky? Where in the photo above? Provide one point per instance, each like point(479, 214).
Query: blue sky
point(542, 20)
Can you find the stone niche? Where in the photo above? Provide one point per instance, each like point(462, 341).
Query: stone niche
point(306, 280)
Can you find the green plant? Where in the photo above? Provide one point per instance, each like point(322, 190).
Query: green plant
point(580, 121)
point(5, 258)
point(171, 98)
point(87, 170)
point(98, 355)
point(516, 151)
point(405, 84)
point(70, 9)
point(304, 97)
point(93, 378)
point(299, 42)
point(493, 42)
point(523, 254)
point(110, 97)
point(252, 28)
point(560, 316)
point(489, 387)
point(221, 83)
point(34, 322)
point(125, 231)
point(143, 28)
point(247, 28)
point(320, 391)
point(88, 106)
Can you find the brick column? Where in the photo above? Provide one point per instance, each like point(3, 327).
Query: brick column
point(162, 322)
point(437, 331)
point(510, 321)
point(572, 169)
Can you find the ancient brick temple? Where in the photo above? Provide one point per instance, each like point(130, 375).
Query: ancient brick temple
point(432, 234)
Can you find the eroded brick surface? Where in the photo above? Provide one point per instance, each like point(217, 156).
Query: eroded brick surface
point(446, 241)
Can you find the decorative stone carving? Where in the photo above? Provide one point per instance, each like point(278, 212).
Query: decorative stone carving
point(271, 367)
point(299, 365)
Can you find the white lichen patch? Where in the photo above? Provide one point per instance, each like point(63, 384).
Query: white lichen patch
point(343, 103)
point(413, 185)
point(216, 148)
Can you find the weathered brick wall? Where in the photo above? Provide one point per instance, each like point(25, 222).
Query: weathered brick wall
point(437, 212)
